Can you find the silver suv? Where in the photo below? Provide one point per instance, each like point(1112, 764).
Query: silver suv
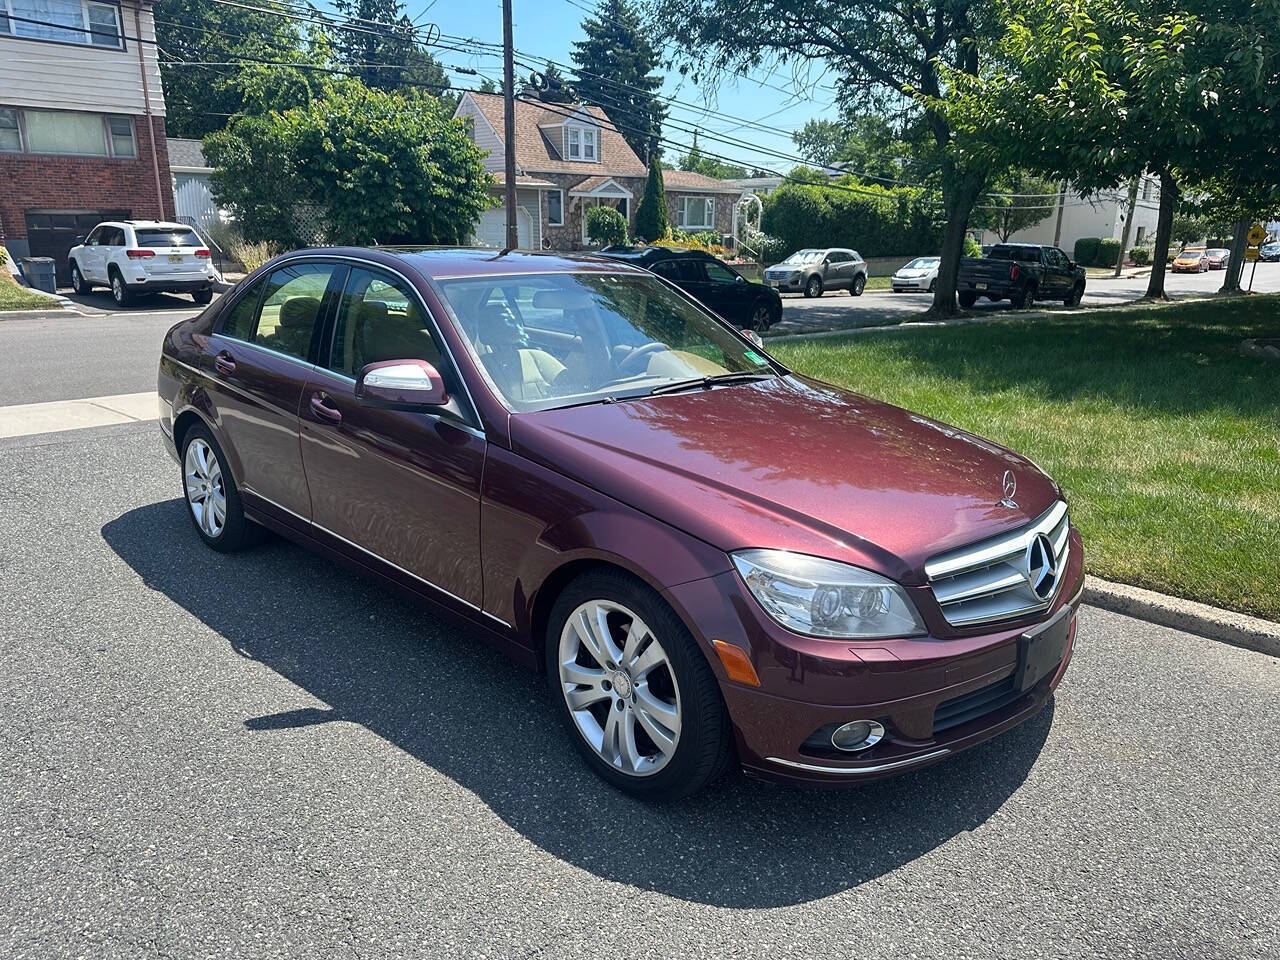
point(812, 272)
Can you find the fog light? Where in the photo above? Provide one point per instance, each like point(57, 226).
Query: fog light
point(857, 735)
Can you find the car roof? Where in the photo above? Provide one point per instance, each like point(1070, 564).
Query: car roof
point(653, 253)
point(455, 262)
point(145, 224)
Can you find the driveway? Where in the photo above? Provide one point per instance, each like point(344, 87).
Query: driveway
point(263, 755)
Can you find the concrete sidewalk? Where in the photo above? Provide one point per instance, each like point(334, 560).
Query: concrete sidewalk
point(25, 419)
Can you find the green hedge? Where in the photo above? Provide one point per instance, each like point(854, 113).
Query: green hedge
point(875, 221)
point(1140, 256)
point(1108, 252)
point(1086, 251)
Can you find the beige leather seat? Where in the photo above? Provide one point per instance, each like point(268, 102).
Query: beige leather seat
point(292, 334)
point(383, 335)
point(520, 371)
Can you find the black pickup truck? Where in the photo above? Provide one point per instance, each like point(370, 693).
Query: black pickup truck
point(1023, 272)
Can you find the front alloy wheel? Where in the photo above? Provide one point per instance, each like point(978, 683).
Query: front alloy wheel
point(77, 279)
point(761, 316)
point(813, 287)
point(620, 688)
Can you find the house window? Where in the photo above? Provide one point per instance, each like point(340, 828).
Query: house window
point(696, 213)
point(555, 208)
point(64, 132)
point(66, 21)
point(581, 143)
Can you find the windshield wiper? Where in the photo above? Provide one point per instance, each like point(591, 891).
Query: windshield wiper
point(706, 383)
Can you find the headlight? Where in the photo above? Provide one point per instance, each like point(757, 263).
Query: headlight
point(823, 598)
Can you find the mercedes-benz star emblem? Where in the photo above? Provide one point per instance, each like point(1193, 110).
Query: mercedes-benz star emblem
point(1042, 567)
point(1010, 486)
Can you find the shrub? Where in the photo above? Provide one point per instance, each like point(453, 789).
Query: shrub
point(1086, 251)
point(250, 255)
point(1140, 256)
point(651, 214)
point(605, 225)
point(875, 221)
point(972, 248)
point(4, 257)
point(1108, 252)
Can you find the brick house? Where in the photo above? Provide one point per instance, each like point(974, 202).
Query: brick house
point(82, 134)
point(570, 158)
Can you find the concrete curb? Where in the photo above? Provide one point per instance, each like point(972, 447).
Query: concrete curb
point(1238, 629)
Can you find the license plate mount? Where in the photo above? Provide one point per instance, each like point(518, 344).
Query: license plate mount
point(1042, 649)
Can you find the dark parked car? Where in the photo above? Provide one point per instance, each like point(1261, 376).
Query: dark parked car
point(1217, 258)
point(1269, 252)
point(713, 283)
point(714, 560)
point(1023, 273)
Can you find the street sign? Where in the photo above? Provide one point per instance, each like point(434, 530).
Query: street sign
point(1257, 233)
point(1250, 253)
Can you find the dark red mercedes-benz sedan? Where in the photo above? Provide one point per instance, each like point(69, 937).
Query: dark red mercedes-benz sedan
point(713, 559)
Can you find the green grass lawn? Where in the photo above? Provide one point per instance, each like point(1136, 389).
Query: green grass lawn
point(14, 297)
point(879, 283)
point(1166, 440)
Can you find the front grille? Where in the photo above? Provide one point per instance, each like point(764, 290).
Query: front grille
point(1004, 577)
point(973, 705)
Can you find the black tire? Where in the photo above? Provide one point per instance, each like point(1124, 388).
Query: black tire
point(813, 287)
point(859, 284)
point(704, 748)
point(967, 298)
point(119, 289)
point(203, 296)
point(237, 530)
point(933, 285)
point(78, 283)
point(1077, 294)
point(1023, 297)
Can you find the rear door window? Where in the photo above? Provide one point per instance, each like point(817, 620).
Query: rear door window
point(291, 308)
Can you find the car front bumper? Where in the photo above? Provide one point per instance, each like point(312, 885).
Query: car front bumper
point(903, 284)
point(807, 684)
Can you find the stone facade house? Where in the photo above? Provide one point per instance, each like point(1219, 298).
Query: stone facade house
point(570, 158)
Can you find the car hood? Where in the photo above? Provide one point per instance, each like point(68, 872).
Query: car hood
point(793, 464)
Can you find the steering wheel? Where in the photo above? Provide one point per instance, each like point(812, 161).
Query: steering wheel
point(643, 352)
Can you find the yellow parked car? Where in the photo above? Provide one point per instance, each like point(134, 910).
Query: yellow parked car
point(1191, 260)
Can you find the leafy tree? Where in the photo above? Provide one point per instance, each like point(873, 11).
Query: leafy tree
point(615, 67)
point(549, 86)
point(1015, 202)
point(199, 100)
point(881, 51)
point(696, 161)
point(869, 146)
point(380, 167)
point(651, 214)
point(606, 225)
point(383, 50)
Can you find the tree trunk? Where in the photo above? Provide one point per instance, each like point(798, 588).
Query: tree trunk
point(960, 191)
point(1235, 266)
point(1164, 228)
point(1128, 225)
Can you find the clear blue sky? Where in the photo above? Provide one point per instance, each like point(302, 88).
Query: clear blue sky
point(547, 28)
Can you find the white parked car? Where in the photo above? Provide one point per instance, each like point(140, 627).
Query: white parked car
point(142, 256)
point(920, 274)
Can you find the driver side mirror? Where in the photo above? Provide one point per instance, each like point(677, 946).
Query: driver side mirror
point(401, 385)
point(739, 278)
point(79, 240)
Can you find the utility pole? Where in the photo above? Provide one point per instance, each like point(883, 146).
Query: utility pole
point(1062, 202)
point(509, 125)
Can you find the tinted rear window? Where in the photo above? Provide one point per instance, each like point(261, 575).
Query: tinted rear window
point(168, 238)
point(1003, 252)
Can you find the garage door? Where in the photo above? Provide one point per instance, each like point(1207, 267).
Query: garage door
point(52, 233)
point(492, 229)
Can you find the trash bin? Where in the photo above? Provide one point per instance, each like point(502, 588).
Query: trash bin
point(38, 272)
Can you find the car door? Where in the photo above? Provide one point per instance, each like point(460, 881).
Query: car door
point(1056, 273)
point(837, 276)
point(732, 294)
point(397, 485)
point(90, 255)
point(260, 357)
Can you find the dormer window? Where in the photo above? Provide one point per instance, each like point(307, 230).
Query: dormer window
point(581, 143)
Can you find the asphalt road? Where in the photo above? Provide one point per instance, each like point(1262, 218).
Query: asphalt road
point(261, 755)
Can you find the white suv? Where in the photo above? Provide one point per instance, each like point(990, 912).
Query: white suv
point(143, 256)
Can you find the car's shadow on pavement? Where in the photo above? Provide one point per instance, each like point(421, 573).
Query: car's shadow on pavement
point(429, 687)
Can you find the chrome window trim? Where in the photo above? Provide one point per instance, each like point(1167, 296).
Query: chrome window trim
point(857, 771)
point(382, 559)
point(257, 346)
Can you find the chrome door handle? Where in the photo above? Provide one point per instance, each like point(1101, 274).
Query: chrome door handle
point(224, 363)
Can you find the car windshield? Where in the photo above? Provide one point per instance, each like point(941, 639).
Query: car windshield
point(1191, 254)
point(922, 263)
point(1217, 252)
point(803, 256)
point(168, 237)
point(564, 339)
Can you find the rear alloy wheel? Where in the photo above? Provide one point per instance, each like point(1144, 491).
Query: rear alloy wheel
point(212, 498)
point(1024, 297)
point(761, 316)
point(859, 284)
point(967, 298)
point(119, 291)
point(78, 282)
point(813, 287)
point(203, 296)
point(1077, 294)
point(636, 692)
